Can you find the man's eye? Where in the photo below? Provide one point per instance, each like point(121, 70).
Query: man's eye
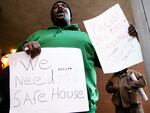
point(54, 7)
point(64, 5)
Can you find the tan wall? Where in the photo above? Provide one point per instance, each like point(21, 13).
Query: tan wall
point(18, 19)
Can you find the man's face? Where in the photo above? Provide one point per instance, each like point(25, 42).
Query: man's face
point(61, 12)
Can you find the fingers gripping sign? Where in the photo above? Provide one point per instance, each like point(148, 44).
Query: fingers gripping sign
point(32, 48)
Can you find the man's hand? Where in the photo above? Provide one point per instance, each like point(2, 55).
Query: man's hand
point(132, 31)
point(32, 48)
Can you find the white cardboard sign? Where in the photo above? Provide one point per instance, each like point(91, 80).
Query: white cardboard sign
point(109, 34)
point(53, 82)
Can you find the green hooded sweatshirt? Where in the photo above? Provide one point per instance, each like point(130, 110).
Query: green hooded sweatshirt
point(71, 36)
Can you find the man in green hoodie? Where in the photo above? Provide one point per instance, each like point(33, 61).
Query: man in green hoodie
point(64, 34)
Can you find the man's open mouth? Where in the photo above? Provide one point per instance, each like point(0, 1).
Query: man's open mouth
point(60, 13)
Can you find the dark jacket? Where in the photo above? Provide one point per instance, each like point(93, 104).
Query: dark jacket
point(4, 91)
point(124, 90)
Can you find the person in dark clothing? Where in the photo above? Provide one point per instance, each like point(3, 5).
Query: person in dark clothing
point(4, 91)
point(124, 90)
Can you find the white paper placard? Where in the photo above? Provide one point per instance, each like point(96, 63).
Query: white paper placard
point(109, 34)
point(53, 82)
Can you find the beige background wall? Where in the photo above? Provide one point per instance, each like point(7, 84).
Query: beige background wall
point(20, 18)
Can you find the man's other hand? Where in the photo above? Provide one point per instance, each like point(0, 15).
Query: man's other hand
point(132, 31)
